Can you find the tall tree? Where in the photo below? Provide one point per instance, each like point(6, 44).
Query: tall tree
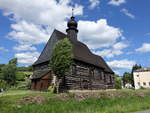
point(127, 78)
point(9, 72)
point(1, 66)
point(135, 67)
point(118, 82)
point(61, 59)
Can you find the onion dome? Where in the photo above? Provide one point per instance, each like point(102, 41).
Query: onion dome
point(72, 24)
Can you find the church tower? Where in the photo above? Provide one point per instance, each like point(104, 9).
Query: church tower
point(72, 28)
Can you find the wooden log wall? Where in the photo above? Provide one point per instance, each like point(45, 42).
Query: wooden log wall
point(86, 77)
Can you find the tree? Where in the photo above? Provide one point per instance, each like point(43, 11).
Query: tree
point(29, 68)
point(118, 82)
point(135, 67)
point(1, 66)
point(61, 59)
point(13, 61)
point(127, 78)
point(3, 84)
point(9, 72)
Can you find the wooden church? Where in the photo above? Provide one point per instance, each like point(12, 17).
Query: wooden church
point(89, 71)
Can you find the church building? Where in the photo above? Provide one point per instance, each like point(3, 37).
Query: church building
point(88, 72)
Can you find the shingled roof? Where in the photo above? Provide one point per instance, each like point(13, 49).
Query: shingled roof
point(46, 53)
point(80, 51)
point(39, 73)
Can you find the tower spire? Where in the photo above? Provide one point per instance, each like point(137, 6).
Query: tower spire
point(72, 27)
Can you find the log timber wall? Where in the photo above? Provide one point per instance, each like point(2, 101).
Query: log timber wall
point(86, 77)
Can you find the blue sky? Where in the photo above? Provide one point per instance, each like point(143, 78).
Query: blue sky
point(117, 30)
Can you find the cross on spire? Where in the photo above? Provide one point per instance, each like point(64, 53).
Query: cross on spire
point(72, 12)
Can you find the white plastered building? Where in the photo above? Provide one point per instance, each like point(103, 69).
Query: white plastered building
point(142, 78)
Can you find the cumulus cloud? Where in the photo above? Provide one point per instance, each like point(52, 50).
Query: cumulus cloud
point(25, 48)
point(3, 49)
point(116, 2)
point(120, 45)
point(34, 26)
point(43, 12)
point(109, 53)
point(127, 13)
point(27, 57)
point(121, 64)
point(144, 48)
point(94, 3)
point(117, 49)
point(28, 33)
point(98, 34)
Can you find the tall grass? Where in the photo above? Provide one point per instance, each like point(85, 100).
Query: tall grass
point(127, 104)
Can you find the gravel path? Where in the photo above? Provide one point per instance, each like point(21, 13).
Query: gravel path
point(147, 111)
point(14, 93)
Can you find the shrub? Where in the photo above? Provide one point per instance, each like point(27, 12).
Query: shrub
point(3, 84)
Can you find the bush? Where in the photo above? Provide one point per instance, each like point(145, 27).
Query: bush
point(118, 82)
point(3, 84)
point(20, 76)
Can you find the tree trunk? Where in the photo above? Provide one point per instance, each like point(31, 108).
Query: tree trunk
point(57, 85)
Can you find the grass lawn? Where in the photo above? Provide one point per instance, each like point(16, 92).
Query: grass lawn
point(121, 101)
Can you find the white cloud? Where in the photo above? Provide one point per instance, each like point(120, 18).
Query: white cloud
point(27, 57)
point(108, 53)
point(98, 34)
point(116, 2)
point(3, 49)
point(94, 3)
point(126, 12)
point(120, 45)
point(144, 48)
point(121, 64)
point(28, 33)
point(45, 12)
point(35, 26)
point(117, 49)
point(25, 48)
